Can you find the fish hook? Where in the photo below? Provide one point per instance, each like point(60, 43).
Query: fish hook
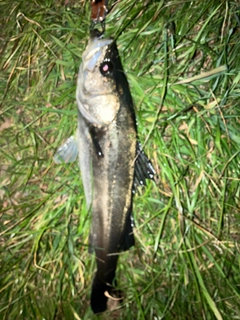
point(98, 13)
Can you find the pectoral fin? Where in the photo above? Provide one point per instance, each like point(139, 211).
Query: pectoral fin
point(68, 152)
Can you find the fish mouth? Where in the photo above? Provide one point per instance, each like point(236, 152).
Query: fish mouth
point(95, 33)
point(94, 49)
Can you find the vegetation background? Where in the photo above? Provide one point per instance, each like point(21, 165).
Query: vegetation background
point(185, 264)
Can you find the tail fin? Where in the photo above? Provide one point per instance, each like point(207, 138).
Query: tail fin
point(104, 282)
point(98, 297)
point(100, 294)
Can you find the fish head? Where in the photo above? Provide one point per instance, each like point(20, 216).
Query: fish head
point(97, 95)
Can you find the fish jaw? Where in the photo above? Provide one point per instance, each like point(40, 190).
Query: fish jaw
point(96, 46)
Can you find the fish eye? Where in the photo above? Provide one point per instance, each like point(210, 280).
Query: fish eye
point(106, 67)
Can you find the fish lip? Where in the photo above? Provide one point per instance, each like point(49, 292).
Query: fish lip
point(94, 47)
point(95, 33)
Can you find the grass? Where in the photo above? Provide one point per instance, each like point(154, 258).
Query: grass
point(185, 264)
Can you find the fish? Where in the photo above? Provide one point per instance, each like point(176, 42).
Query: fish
point(112, 161)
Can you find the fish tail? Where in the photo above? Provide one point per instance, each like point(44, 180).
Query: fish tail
point(98, 296)
point(104, 283)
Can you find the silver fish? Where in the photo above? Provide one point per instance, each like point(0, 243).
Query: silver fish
point(112, 162)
